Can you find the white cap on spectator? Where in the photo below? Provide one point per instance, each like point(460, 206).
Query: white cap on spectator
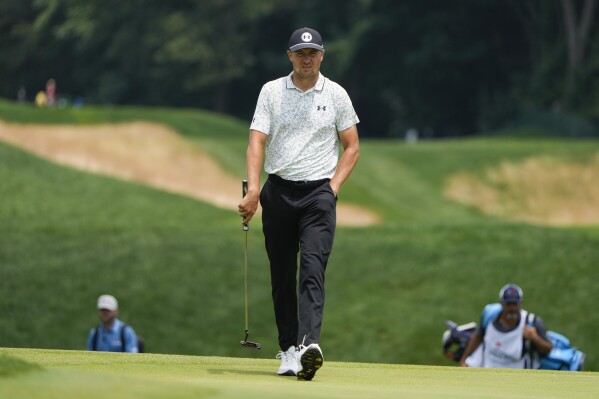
point(107, 302)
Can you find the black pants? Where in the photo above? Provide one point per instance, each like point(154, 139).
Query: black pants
point(298, 217)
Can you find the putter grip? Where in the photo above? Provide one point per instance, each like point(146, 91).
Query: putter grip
point(244, 191)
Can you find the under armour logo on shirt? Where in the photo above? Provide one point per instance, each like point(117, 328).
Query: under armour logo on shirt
point(323, 107)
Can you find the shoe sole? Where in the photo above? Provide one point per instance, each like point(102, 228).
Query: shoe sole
point(311, 361)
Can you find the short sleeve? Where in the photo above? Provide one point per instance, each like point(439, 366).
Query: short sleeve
point(130, 340)
point(481, 330)
point(262, 116)
point(346, 115)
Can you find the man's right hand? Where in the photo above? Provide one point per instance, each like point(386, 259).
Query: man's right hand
point(248, 206)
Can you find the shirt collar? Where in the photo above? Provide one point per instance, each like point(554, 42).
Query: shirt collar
point(318, 86)
point(116, 326)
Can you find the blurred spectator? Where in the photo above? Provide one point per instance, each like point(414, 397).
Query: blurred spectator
point(78, 102)
point(412, 136)
point(51, 92)
point(41, 100)
point(112, 335)
point(22, 95)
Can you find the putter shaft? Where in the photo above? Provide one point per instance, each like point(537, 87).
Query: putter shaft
point(245, 342)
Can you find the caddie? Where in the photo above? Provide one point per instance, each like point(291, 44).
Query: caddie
point(513, 339)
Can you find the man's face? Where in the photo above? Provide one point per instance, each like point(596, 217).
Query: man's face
point(107, 316)
point(511, 310)
point(306, 62)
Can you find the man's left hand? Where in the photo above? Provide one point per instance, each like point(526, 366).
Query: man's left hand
point(530, 333)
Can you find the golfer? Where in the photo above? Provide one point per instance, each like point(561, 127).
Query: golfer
point(300, 120)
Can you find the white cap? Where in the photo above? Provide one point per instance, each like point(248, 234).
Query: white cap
point(107, 302)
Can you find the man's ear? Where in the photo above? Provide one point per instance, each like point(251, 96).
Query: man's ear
point(289, 55)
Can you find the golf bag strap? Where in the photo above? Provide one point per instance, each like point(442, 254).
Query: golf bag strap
point(95, 340)
point(123, 337)
point(528, 352)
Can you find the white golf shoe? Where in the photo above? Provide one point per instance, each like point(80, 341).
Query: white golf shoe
point(289, 363)
point(310, 360)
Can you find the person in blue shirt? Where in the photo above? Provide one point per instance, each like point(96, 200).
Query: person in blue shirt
point(112, 335)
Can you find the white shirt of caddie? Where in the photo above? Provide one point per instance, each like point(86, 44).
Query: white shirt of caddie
point(504, 349)
point(302, 127)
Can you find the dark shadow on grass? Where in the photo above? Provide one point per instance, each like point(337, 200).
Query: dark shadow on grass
point(10, 366)
point(244, 372)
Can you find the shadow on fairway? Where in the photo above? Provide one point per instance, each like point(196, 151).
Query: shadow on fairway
point(244, 372)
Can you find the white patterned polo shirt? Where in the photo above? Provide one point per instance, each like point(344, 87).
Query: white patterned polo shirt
point(302, 127)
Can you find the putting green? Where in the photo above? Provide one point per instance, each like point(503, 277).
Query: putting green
point(31, 373)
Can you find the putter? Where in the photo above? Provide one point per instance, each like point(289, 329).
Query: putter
point(245, 342)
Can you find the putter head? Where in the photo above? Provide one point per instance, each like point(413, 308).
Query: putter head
point(250, 344)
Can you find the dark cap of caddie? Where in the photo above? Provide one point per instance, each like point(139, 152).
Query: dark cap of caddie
point(511, 293)
point(305, 38)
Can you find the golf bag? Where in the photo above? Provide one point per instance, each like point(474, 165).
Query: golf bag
point(563, 356)
point(456, 338)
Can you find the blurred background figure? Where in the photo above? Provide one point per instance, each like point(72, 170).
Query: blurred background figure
point(22, 95)
point(112, 335)
point(41, 100)
point(412, 136)
point(51, 92)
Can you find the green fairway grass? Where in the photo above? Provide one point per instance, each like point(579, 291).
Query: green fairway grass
point(74, 374)
point(176, 264)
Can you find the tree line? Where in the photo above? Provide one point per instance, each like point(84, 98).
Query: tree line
point(444, 67)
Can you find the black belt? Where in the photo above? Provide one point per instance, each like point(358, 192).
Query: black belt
point(301, 185)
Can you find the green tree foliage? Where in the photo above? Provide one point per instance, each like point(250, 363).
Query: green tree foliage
point(444, 67)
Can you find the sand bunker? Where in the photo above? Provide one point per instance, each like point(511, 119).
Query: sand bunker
point(149, 153)
point(539, 190)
